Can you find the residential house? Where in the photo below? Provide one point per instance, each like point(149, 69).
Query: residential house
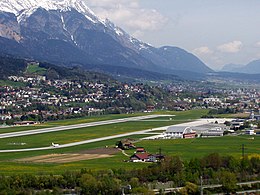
point(143, 157)
point(140, 150)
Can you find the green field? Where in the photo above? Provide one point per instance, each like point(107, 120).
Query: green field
point(76, 135)
point(199, 147)
point(34, 68)
point(180, 117)
point(186, 148)
point(68, 122)
point(9, 166)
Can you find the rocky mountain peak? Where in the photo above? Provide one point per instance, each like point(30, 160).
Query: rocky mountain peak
point(69, 33)
point(24, 8)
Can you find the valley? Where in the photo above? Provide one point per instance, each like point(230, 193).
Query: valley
point(129, 97)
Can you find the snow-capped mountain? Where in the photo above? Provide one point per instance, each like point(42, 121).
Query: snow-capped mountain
point(24, 8)
point(68, 32)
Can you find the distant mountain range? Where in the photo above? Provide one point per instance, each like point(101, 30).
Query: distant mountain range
point(250, 68)
point(231, 67)
point(67, 32)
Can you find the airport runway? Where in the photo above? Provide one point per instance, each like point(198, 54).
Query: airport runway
point(193, 123)
point(77, 143)
point(77, 126)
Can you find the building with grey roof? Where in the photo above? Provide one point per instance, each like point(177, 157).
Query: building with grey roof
point(173, 132)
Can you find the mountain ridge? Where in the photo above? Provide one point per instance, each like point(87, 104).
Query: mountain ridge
point(252, 67)
point(67, 32)
point(24, 8)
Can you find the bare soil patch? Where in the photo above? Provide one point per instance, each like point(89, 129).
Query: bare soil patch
point(72, 157)
point(109, 151)
point(63, 158)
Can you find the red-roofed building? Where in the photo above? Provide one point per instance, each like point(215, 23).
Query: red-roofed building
point(189, 135)
point(140, 150)
point(143, 157)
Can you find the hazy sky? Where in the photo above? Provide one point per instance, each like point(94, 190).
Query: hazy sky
point(218, 31)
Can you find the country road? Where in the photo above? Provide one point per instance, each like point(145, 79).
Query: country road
point(174, 190)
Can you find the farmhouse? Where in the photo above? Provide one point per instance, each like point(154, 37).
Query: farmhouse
point(174, 132)
point(126, 144)
point(143, 157)
point(129, 145)
point(140, 150)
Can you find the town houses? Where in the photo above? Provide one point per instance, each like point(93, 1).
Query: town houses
point(39, 98)
point(36, 96)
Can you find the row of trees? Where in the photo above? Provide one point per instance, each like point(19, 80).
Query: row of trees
point(213, 168)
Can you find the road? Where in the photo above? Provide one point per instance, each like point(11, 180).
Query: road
point(147, 131)
point(77, 126)
point(174, 190)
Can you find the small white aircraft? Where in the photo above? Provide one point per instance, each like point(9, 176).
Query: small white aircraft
point(55, 145)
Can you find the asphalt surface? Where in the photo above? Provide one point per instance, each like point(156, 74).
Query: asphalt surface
point(77, 143)
point(77, 126)
point(197, 122)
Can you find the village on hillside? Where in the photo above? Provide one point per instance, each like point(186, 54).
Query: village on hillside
point(38, 98)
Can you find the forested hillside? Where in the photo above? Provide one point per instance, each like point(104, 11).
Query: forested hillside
point(11, 66)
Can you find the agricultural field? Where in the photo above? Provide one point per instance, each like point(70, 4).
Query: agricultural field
point(9, 162)
point(34, 68)
point(185, 148)
point(237, 115)
point(199, 147)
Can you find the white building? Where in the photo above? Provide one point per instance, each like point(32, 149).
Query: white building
point(174, 132)
point(236, 124)
point(210, 130)
point(250, 132)
point(211, 100)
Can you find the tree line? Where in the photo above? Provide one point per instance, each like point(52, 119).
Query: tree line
point(213, 169)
